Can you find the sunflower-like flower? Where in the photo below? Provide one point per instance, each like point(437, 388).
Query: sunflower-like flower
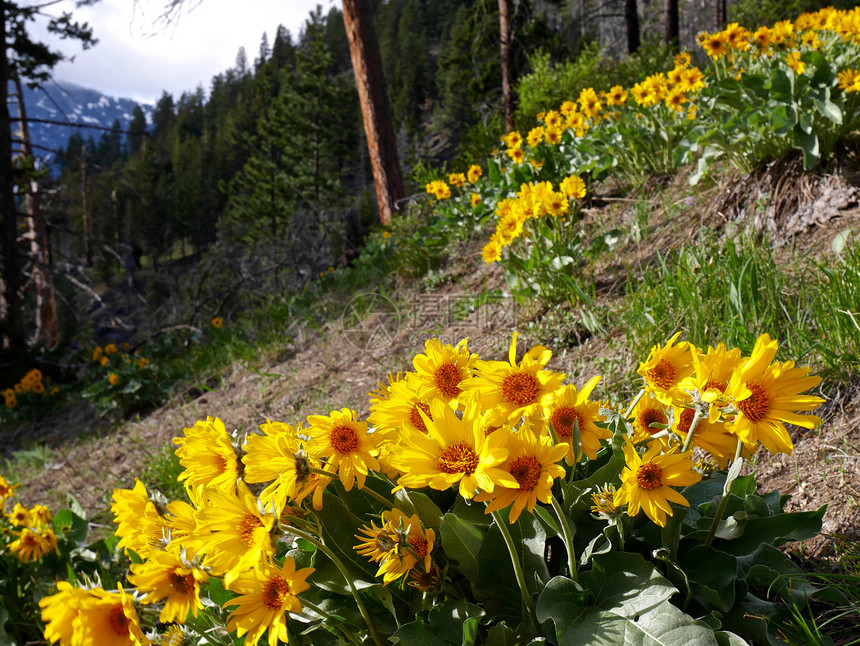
point(708, 436)
point(514, 390)
point(266, 594)
point(400, 410)
point(341, 438)
point(647, 481)
point(208, 456)
point(648, 417)
point(455, 451)
point(166, 575)
point(32, 545)
point(711, 375)
point(91, 617)
point(767, 395)
point(233, 532)
point(399, 545)
point(442, 369)
point(7, 490)
point(533, 463)
point(139, 525)
point(666, 367)
point(19, 516)
point(569, 408)
point(279, 458)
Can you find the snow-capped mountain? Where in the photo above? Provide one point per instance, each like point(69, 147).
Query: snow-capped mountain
point(66, 102)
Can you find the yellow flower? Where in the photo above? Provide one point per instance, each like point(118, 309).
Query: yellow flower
point(533, 463)
point(233, 532)
point(104, 361)
point(113, 378)
point(474, 173)
point(165, 575)
point(139, 525)
point(849, 80)
point(91, 618)
point(517, 155)
point(207, 456)
point(341, 438)
point(573, 186)
point(279, 457)
point(709, 436)
point(32, 545)
point(589, 102)
point(792, 59)
point(649, 417)
point(455, 451)
point(617, 95)
point(568, 407)
point(712, 372)
point(768, 394)
point(266, 595)
point(400, 545)
point(490, 252)
point(217, 322)
point(603, 502)
point(665, 368)
point(6, 490)
point(647, 481)
point(716, 46)
point(110, 349)
point(553, 135)
point(97, 353)
point(19, 516)
point(535, 136)
point(402, 409)
point(475, 199)
point(514, 390)
point(513, 139)
point(457, 179)
point(675, 100)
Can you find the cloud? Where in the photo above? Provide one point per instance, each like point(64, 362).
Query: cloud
point(139, 56)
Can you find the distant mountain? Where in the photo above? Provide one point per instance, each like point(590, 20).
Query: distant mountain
point(59, 101)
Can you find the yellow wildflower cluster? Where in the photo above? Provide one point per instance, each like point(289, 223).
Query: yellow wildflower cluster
point(439, 189)
point(111, 355)
point(30, 529)
point(533, 200)
point(33, 382)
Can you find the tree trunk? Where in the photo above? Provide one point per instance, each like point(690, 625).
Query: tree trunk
point(375, 109)
point(631, 20)
point(720, 14)
point(11, 321)
point(672, 24)
point(505, 11)
point(583, 25)
point(47, 327)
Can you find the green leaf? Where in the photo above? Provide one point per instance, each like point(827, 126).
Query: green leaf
point(829, 109)
point(838, 244)
point(495, 570)
point(415, 502)
point(712, 575)
point(338, 527)
point(451, 623)
point(783, 118)
point(461, 542)
point(774, 530)
point(5, 638)
point(66, 520)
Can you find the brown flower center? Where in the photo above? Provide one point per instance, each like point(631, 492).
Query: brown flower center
point(118, 621)
point(183, 583)
point(343, 438)
point(662, 375)
point(490, 430)
point(652, 416)
point(755, 406)
point(563, 418)
point(520, 388)
point(275, 591)
point(649, 476)
point(719, 385)
point(526, 470)
point(686, 420)
point(458, 458)
point(415, 416)
point(247, 526)
point(220, 463)
point(447, 379)
point(418, 545)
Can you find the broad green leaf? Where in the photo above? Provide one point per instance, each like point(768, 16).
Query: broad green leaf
point(338, 527)
point(712, 575)
point(5, 638)
point(417, 633)
point(66, 520)
point(461, 542)
point(774, 530)
point(829, 109)
point(495, 569)
point(415, 502)
point(783, 118)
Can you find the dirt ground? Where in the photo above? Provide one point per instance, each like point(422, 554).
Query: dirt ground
point(338, 366)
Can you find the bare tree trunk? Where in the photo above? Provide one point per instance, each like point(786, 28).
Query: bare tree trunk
point(47, 327)
point(720, 14)
point(11, 320)
point(672, 23)
point(583, 30)
point(375, 109)
point(505, 11)
point(631, 20)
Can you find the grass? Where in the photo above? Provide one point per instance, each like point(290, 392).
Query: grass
point(737, 290)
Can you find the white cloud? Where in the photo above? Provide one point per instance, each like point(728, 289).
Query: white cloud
point(139, 57)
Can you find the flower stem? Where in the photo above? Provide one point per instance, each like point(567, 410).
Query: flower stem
point(633, 403)
point(689, 440)
point(568, 538)
point(326, 616)
point(518, 569)
point(724, 502)
point(313, 540)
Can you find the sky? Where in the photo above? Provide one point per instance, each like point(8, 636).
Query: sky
point(138, 57)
